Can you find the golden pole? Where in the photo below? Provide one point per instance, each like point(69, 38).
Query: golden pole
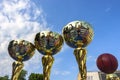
point(16, 69)
point(80, 54)
point(47, 62)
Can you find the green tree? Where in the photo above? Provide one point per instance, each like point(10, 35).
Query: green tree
point(22, 75)
point(34, 76)
point(4, 78)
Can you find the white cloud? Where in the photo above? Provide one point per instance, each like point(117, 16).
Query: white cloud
point(60, 72)
point(19, 19)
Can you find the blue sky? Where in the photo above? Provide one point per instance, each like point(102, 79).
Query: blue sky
point(38, 15)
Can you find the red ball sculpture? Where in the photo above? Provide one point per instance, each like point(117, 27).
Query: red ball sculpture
point(107, 63)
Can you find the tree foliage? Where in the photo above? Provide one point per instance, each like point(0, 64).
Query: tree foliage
point(4, 78)
point(34, 76)
point(22, 75)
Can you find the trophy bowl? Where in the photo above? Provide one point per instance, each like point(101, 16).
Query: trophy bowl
point(48, 42)
point(78, 34)
point(21, 50)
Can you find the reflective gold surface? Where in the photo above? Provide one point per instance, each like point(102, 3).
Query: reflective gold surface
point(47, 62)
point(17, 68)
point(21, 50)
point(80, 54)
point(78, 33)
point(112, 77)
point(48, 42)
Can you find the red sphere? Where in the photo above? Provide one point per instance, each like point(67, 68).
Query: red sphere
point(107, 63)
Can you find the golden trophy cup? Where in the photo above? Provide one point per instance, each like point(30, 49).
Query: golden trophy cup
point(20, 50)
point(48, 43)
point(78, 34)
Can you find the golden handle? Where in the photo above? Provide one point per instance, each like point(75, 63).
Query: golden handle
point(80, 54)
point(47, 62)
point(17, 68)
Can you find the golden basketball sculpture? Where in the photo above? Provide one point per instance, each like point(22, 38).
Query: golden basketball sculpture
point(78, 34)
point(19, 50)
point(48, 43)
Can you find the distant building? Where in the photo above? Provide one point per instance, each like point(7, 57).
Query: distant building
point(101, 76)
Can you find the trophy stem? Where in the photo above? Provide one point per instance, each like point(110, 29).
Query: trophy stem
point(17, 68)
point(107, 77)
point(80, 54)
point(47, 62)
